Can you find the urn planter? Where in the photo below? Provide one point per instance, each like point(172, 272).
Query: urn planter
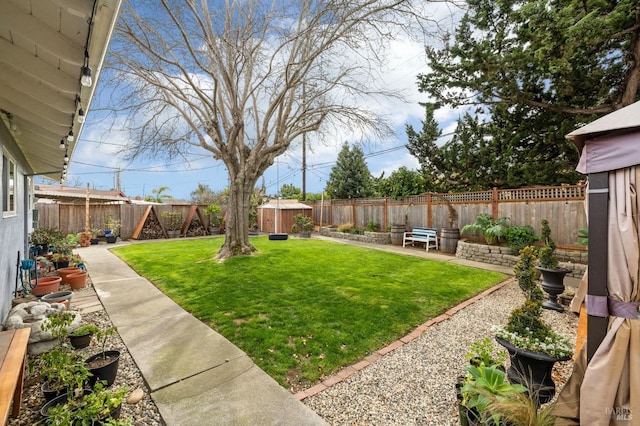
point(553, 284)
point(532, 370)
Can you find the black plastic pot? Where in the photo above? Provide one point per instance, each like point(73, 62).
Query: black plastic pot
point(50, 393)
point(59, 400)
point(106, 372)
point(79, 342)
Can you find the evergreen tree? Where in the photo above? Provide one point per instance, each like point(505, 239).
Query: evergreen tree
point(350, 177)
point(290, 192)
point(400, 183)
point(538, 70)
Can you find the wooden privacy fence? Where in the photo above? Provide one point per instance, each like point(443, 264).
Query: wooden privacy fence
point(563, 206)
point(70, 218)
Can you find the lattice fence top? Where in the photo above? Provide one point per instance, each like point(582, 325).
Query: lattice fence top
point(565, 192)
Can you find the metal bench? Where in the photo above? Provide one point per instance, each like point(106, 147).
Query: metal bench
point(13, 351)
point(429, 236)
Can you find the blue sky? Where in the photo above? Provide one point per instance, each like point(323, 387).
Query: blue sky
point(96, 160)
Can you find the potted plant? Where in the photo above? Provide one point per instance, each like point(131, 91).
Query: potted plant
point(483, 385)
point(42, 238)
point(61, 368)
point(101, 406)
point(552, 276)
point(214, 211)
point(112, 227)
point(532, 345)
point(81, 336)
point(173, 223)
point(491, 229)
point(302, 224)
point(103, 365)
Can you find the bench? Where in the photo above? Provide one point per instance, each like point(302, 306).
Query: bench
point(13, 352)
point(429, 236)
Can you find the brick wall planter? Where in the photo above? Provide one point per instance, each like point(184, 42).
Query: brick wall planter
point(368, 237)
point(501, 255)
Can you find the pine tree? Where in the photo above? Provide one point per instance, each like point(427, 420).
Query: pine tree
point(350, 177)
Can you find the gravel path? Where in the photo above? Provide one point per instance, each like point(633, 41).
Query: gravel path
point(414, 384)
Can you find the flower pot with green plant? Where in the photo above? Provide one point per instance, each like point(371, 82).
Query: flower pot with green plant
point(61, 368)
point(532, 345)
point(103, 365)
point(302, 224)
point(214, 211)
point(493, 230)
point(552, 276)
point(482, 386)
point(111, 228)
point(81, 336)
point(101, 406)
point(172, 223)
point(44, 237)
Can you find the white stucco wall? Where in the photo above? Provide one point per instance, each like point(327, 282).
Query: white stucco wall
point(13, 228)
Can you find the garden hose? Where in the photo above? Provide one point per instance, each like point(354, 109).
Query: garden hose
point(26, 266)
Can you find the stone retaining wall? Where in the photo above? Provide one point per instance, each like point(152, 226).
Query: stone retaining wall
point(368, 237)
point(501, 255)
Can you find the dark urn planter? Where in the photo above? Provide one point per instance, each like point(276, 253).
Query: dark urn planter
point(111, 239)
point(553, 284)
point(94, 241)
point(532, 370)
point(103, 368)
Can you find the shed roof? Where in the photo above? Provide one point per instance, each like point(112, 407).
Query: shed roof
point(70, 194)
point(285, 205)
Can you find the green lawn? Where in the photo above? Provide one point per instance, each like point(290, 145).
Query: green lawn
point(305, 308)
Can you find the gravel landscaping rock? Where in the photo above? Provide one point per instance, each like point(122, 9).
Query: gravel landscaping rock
point(414, 384)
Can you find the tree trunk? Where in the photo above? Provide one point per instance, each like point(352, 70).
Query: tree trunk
point(237, 224)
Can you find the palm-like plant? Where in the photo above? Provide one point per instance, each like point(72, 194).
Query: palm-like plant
point(158, 195)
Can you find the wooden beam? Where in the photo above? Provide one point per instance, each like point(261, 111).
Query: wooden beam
point(598, 255)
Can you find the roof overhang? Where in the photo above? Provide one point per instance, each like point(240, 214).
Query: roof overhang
point(42, 52)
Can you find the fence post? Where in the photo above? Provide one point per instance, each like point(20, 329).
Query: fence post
point(429, 211)
point(494, 203)
point(385, 215)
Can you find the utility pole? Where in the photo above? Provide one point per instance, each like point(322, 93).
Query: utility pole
point(304, 167)
point(304, 144)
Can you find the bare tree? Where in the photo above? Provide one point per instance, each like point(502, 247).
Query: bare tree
point(243, 79)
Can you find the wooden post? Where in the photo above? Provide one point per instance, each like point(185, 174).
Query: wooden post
point(429, 211)
point(598, 255)
point(385, 218)
point(494, 203)
point(87, 223)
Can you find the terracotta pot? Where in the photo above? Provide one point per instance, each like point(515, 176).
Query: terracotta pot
point(77, 280)
point(64, 272)
point(45, 285)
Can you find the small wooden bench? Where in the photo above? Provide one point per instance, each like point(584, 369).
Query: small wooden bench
point(13, 353)
point(429, 236)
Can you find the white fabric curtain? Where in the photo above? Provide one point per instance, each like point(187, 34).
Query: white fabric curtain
point(607, 391)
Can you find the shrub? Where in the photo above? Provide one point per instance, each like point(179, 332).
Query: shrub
point(172, 220)
point(346, 227)
point(302, 223)
point(547, 256)
point(491, 229)
point(372, 226)
point(519, 237)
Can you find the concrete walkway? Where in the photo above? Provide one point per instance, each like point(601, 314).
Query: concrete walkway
point(196, 376)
